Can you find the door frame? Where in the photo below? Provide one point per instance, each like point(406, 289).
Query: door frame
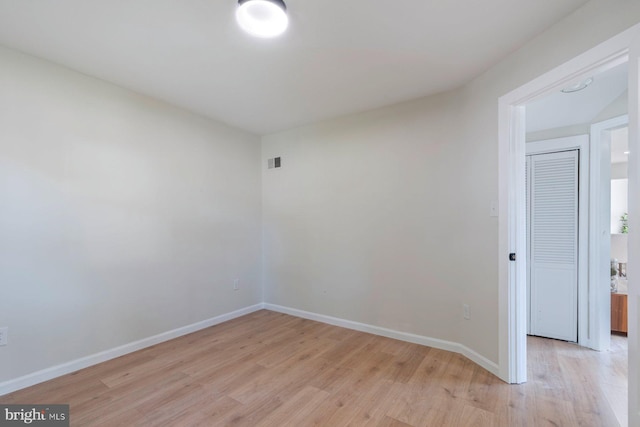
point(512, 216)
point(580, 143)
point(600, 231)
point(633, 240)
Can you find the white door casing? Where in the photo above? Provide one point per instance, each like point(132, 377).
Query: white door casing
point(633, 266)
point(600, 243)
point(527, 186)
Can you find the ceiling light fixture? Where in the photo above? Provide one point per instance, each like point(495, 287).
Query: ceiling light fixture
point(262, 18)
point(578, 86)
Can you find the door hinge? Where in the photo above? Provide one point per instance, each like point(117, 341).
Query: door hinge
point(512, 256)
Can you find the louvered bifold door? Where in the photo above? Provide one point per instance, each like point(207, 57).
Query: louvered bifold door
point(554, 245)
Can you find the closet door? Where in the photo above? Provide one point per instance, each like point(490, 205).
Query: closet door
point(553, 213)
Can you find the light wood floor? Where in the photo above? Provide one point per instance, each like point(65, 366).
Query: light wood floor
point(271, 369)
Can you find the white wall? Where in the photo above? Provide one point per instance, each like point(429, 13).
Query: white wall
point(619, 170)
point(348, 219)
point(383, 217)
point(617, 108)
point(120, 217)
point(619, 206)
point(561, 132)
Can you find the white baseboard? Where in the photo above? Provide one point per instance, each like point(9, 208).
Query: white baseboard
point(390, 333)
point(84, 362)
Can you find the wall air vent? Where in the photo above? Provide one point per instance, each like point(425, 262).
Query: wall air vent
point(274, 163)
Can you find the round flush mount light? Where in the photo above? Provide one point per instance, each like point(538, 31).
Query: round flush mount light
point(262, 18)
point(578, 86)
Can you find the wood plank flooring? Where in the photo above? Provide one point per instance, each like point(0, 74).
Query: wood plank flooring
point(271, 369)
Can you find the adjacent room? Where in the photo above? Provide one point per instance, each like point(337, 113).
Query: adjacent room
point(268, 212)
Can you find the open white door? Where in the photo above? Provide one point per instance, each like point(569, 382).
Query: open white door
point(633, 273)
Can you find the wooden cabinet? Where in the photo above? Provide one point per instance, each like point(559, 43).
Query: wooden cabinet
point(619, 313)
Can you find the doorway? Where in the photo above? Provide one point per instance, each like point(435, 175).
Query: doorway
point(577, 116)
point(605, 245)
point(512, 200)
point(512, 222)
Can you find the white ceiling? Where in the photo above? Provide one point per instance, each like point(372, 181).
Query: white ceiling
point(337, 57)
point(566, 109)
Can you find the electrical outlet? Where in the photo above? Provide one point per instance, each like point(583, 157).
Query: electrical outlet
point(236, 284)
point(4, 332)
point(493, 209)
point(465, 309)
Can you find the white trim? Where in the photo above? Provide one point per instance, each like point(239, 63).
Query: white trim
point(84, 362)
point(599, 229)
point(75, 365)
point(511, 221)
point(578, 142)
point(633, 272)
point(512, 299)
point(390, 333)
